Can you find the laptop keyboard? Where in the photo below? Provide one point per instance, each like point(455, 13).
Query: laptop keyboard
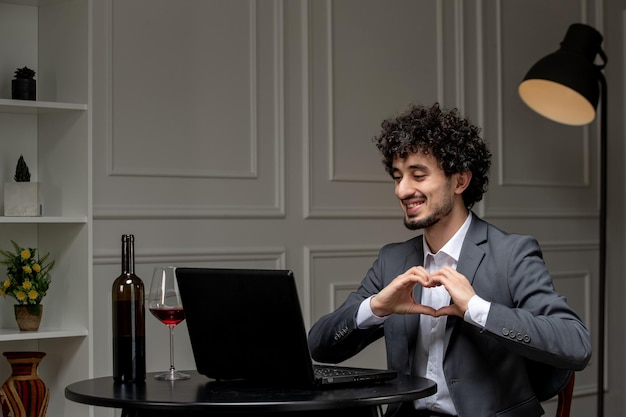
point(329, 371)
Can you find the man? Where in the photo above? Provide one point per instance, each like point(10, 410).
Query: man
point(465, 304)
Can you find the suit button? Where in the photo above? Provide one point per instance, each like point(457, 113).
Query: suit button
point(527, 339)
point(505, 331)
point(520, 337)
point(512, 335)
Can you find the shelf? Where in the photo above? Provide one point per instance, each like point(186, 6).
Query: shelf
point(43, 220)
point(31, 2)
point(7, 335)
point(21, 2)
point(37, 107)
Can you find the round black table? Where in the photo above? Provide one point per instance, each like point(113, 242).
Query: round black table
point(200, 396)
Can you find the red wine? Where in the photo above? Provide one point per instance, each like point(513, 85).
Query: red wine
point(169, 316)
point(129, 346)
point(129, 358)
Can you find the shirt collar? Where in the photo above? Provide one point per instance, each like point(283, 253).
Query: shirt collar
point(453, 246)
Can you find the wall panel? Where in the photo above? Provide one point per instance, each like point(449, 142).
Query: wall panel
point(367, 61)
point(194, 123)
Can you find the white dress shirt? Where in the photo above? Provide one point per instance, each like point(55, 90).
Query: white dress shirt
point(430, 348)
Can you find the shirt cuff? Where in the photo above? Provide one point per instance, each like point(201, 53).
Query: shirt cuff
point(365, 318)
point(477, 311)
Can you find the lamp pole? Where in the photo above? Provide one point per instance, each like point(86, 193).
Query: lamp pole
point(547, 89)
point(603, 241)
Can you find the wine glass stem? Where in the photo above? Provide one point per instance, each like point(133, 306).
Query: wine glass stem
point(171, 348)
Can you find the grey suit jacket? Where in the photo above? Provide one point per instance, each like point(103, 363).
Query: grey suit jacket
point(531, 340)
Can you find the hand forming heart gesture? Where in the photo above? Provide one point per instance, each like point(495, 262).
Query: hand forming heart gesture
point(397, 297)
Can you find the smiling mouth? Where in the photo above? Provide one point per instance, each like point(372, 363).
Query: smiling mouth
point(413, 206)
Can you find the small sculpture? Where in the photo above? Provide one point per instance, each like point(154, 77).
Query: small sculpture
point(22, 173)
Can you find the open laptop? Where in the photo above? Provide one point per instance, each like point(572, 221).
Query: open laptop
point(246, 324)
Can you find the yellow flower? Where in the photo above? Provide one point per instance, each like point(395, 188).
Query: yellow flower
point(28, 274)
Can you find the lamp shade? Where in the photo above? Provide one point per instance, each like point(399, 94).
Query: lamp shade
point(564, 86)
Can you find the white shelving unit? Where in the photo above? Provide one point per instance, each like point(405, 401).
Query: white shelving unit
point(53, 134)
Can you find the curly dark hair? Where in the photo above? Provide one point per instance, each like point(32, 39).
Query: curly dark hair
point(454, 142)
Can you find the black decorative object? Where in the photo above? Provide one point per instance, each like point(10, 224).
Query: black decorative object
point(24, 86)
point(22, 173)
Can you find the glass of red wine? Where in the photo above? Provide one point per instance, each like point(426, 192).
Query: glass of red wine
point(165, 304)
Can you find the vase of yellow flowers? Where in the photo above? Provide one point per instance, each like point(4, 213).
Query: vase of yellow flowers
point(27, 281)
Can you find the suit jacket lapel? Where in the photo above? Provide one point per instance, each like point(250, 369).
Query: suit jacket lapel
point(471, 253)
point(469, 260)
point(411, 321)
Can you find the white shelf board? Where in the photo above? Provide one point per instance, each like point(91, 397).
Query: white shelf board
point(21, 2)
point(31, 2)
point(37, 107)
point(42, 219)
point(7, 335)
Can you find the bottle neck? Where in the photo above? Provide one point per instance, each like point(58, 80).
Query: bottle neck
point(128, 254)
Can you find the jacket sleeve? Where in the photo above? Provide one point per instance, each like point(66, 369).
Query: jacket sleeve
point(535, 321)
point(335, 336)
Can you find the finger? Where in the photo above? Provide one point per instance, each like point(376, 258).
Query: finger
point(433, 280)
point(422, 309)
point(419, 275)
point(445, 273)
point(447, 276)
point(417, 271)
point(450, 310)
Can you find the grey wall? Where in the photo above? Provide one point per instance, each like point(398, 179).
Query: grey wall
point(237, 133)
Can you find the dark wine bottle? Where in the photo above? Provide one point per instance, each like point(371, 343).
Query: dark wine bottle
point(129, 343)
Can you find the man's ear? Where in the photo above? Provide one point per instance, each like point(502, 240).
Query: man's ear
point(463, 180)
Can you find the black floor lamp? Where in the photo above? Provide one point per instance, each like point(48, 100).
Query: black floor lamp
point(564, 86)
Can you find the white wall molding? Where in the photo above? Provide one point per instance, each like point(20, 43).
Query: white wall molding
point(182, 256)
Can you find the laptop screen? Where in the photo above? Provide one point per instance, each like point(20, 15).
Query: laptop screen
point(246, 324)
